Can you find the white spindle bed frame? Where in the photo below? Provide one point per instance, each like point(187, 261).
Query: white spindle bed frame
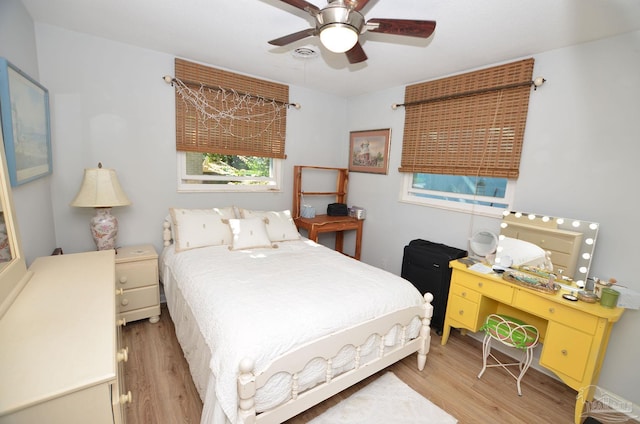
point(249, 380)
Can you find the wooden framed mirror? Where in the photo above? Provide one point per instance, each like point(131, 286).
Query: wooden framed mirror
point(13, 270)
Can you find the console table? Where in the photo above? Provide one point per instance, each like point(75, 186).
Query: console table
point(574, 335)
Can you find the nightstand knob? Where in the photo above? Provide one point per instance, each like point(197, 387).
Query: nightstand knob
point(552, 310)
point(123, 280)
point(480, 284)
point(123, 355)
point(119, 292)
point(464, 294)
point(461, 311)
point(124, 302)
point(564, 352)
point(126, 398)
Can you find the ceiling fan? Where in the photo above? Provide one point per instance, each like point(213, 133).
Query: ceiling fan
point(340, 23)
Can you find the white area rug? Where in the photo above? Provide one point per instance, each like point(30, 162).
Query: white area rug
point(388, 400)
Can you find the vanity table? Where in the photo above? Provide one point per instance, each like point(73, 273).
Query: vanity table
point(574, 335)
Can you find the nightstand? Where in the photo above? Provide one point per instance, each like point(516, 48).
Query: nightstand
point(137, 284)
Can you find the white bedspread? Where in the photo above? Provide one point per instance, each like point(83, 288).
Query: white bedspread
point(264, 302)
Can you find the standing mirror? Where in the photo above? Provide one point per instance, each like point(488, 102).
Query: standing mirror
point(13, 270)
point(564, 244)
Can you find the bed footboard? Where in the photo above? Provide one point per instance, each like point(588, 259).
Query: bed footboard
point(328, 347)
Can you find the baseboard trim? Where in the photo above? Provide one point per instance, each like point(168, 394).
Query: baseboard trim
point(617, 403)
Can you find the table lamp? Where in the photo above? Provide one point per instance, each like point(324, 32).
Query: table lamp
point(101, 190)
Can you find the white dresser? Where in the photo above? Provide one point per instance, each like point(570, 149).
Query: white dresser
point(60, 356)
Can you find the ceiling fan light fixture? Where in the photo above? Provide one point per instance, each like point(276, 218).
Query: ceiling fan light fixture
point(338, 38)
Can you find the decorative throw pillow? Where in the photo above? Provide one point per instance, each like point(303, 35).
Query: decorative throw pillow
point(193, 228)
point(250, 233)
point(228, 212)
point(280, 225)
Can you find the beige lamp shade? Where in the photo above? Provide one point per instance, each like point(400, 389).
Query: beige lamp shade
point(100, 189)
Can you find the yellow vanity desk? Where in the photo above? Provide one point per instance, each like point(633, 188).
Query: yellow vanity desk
point(574, 334)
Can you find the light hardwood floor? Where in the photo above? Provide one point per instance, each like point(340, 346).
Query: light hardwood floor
point(163, 392)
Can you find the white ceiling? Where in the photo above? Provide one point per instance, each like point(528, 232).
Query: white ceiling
point(233, 34)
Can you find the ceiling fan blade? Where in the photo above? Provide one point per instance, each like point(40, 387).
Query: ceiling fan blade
point(408, 27)
point(356, 54)
point(357, 5)
point(288, 39)
point(303, 5)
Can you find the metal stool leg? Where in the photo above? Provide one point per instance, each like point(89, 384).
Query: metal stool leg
point(486, 351)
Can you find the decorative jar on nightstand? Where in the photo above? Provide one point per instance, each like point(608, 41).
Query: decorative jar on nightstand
point(137, 285)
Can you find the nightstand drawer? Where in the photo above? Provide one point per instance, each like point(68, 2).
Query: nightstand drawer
point(138, 298)
point(136, 274)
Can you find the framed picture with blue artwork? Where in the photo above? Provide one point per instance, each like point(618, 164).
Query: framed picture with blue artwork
point(24, 108)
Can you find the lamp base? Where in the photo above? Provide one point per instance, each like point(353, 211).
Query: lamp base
point(104, 229)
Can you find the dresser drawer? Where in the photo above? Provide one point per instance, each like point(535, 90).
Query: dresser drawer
point(553, 311)
point(136, 274)
point(138, 298)
point(485, 286)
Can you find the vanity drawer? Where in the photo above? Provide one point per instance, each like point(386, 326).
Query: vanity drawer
point(554, 311)
point(136, 274)
point(566, 350)
point(465, 293)
point(485, 286)
point(138, 298)
point(463, 311)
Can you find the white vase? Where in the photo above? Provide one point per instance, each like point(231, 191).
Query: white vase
point(104, 228)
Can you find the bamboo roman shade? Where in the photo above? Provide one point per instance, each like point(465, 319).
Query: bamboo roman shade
point(250, 129)
point(469, 124)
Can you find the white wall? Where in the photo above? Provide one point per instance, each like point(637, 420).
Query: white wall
point(32, 201)
point(111, 105)
point(580, 160)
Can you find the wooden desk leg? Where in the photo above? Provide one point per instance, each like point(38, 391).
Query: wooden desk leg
point(446, 331)
point(313, 234)
point(578, 415)
point(358, 241)
point(339, 241)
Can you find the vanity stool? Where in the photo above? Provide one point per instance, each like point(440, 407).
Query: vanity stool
point(511, 332)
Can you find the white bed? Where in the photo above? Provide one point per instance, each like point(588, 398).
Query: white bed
point(271, 330)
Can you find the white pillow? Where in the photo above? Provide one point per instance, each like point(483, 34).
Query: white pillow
point(228, 212)
point(280, 225)
point(249, 233)
point(193, 228)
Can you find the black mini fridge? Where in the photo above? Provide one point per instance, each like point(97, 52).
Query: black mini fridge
point(426, 265)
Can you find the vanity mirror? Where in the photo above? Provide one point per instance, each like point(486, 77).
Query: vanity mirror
point(13, 270)
point(567, 243)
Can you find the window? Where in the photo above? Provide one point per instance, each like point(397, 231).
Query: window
point(230, 130)
point(215, 172)
point(481, 195)
point(463, 138)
